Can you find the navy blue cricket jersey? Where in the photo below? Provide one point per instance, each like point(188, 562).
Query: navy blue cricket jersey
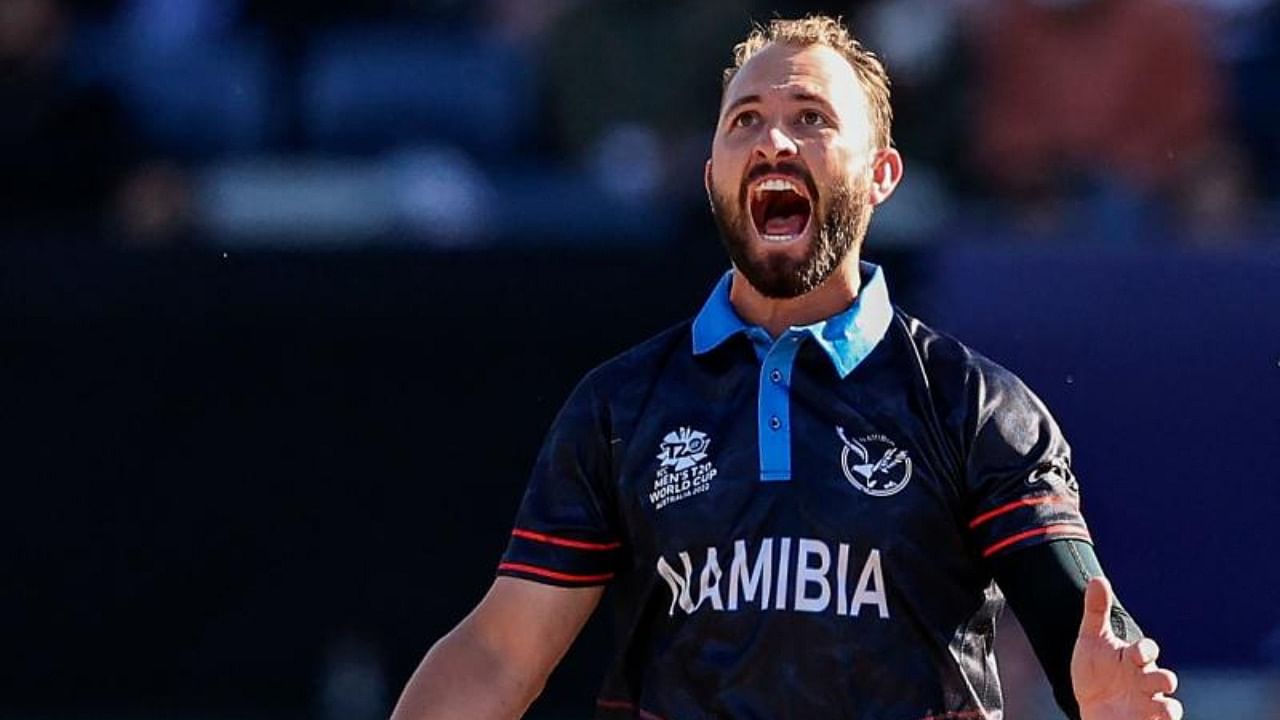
point(797, 527)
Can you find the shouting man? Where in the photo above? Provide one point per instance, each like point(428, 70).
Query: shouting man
point(808, 503)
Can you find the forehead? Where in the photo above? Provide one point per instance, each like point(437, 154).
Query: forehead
point(781, 70)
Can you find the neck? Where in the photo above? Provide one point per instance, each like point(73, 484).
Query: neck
point(775, 315)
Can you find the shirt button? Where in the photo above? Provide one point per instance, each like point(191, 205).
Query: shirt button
point(776, 375)
point(774, 422)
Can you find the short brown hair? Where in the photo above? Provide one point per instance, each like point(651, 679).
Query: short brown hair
point(829, 31)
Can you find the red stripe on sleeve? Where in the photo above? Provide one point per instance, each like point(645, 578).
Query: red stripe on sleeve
point(552, 574)
point(563, 542)
point(1072, 531)
point(1010, 507)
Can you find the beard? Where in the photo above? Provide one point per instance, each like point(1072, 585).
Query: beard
point(838, 225)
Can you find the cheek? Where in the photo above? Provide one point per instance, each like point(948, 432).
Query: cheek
point(834, 165)
point(723, 178)
point(731, 151)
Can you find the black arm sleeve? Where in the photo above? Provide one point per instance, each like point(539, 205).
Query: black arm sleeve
point(1044, 585)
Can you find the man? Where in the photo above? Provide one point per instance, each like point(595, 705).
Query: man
point(1087, 65)
point(800, 498)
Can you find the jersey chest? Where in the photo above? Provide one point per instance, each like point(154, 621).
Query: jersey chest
point(868, 479)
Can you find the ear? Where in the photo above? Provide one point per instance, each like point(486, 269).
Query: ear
point(886, 173)
point(706, 177)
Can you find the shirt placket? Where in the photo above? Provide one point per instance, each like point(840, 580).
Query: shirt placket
point(773, 421)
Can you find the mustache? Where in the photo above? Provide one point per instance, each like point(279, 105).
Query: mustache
point(795, 171)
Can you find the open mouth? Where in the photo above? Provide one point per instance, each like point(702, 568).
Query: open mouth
point(780, 208)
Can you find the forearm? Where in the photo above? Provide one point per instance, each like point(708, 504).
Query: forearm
point(493, 665)
point(462, 678)
point(1045, 587)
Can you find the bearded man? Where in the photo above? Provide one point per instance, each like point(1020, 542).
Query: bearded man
point(808, 503)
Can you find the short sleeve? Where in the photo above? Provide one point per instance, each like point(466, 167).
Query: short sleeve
point(563, 532)
point(1018, 470)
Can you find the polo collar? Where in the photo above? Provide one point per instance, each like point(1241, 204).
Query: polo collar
point(846, 338)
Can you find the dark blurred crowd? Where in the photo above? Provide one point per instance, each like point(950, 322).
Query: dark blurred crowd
point(447, 122)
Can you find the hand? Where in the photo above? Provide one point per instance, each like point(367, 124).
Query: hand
point(1115, 680)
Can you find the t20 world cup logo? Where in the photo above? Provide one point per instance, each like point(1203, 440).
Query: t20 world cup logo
point(683, 448)
point(874, 464)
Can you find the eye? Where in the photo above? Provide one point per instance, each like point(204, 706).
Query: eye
point(813, 118)
point(745, 119)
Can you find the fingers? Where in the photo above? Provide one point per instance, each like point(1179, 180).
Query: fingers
point(1098, 598)
point(1142, 653)
point(1159, 682)
point(1153, 680)
point(1166, 709)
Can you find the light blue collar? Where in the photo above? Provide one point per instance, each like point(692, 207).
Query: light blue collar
point(847, 337)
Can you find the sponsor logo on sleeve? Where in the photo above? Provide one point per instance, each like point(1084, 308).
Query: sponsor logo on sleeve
point(1054, 473)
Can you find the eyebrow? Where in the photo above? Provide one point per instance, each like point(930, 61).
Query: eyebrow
point(744, 100)
point(804, 96)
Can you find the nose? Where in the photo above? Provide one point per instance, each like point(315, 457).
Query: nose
point(775, 144)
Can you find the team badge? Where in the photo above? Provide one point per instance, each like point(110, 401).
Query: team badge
point(683, 467)
point(874, 464)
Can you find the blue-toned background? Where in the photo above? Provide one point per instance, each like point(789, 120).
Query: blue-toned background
point(289, 293)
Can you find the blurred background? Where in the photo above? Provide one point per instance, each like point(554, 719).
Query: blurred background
point(290, 291)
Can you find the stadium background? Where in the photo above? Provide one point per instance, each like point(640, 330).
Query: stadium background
point(289, 292)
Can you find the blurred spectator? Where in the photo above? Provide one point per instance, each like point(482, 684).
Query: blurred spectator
point(1113, 100)
point(629, 94)
point(1228, 205)
point(639, 84)
point(62, 147)
point(646, 78)
point(921, 44)
point(154, 207)
point(1217, 210)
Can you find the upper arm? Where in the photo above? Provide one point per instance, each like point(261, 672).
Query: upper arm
point(565, 547)
point(1017, 472)
point(530, 625)
point(567, 532)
